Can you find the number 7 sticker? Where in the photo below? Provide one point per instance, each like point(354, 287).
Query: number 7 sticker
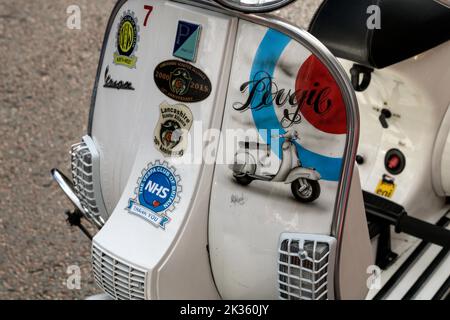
point(149, 11)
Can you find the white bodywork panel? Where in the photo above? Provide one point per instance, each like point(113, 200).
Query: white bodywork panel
point(123, 119)
point(416, 92)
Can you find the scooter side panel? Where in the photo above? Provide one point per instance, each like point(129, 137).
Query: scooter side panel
point(124, 126)
point(246, 221)
point(416, 92)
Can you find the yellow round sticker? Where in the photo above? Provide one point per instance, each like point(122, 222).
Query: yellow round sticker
point(126, 37)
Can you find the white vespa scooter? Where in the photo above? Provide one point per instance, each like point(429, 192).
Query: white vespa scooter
point(175, 74)
point(304, 181)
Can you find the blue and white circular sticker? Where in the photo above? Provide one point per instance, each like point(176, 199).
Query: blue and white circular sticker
point(157, 194)
point(158, 189)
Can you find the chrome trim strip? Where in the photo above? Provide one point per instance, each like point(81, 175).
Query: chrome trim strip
point(318, 49)
point(253, 8)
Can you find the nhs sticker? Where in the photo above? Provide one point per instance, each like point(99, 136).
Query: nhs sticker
point(157, 194)
point(186, 41)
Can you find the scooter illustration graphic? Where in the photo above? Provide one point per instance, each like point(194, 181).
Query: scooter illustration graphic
point(304, 181)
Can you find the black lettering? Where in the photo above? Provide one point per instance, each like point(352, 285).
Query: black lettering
point(119, 85)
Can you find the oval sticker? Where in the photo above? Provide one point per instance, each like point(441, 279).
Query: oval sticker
point(182, 81)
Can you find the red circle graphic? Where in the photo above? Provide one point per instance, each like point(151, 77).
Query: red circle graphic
point(319, 97)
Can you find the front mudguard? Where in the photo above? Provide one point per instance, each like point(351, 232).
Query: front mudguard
point(303, 173)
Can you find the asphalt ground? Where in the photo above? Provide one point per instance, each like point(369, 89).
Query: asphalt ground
point(47, 73)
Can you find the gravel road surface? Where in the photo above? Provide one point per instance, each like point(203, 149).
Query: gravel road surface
point(46, 77)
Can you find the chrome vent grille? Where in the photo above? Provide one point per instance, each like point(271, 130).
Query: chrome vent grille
point(118, 279)
point(305, 267)
point(82, 174)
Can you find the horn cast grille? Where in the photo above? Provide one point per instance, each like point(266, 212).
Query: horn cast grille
point(306, 267)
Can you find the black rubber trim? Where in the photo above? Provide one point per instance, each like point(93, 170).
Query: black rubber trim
point(426, 275)
point(444, 291)
point(408, 262)
point(374, 229)
point(356, 71)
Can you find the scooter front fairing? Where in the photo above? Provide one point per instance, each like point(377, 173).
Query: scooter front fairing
point(178, 226)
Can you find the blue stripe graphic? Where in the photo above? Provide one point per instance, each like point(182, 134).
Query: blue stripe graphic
point(265, 118)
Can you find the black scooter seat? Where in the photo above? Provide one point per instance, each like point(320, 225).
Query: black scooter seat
point(408, 27)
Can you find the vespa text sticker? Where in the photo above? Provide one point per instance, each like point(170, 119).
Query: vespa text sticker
point(182, 82)
point(187, 40)
point(157, 194)
point(171, 132)
point(115, 84)
point(127, 39)
point(386, 187)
